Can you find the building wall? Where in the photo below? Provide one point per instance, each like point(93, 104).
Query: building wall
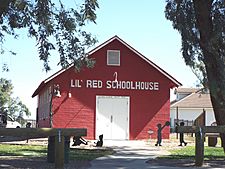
point(44, 108)
point(147, 107)
point(191, 114)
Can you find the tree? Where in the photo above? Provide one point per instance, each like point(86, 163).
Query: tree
point(53, 26)
point(8, 104)
point(201, 24)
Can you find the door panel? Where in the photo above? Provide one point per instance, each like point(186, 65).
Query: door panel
point(120, 118)
point(112, 117)
point(103, 124)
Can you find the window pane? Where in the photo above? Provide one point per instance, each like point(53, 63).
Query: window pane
point(113, 57)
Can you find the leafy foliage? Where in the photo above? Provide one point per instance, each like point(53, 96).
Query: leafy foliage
point(183, 13)
point(53, 26)
point(8, 104)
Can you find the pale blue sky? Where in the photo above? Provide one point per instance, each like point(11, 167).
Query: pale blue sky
point(141, 24)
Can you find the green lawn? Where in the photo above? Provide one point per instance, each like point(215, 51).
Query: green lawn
point(23, 150)
point(210, 153)
point(41, 151)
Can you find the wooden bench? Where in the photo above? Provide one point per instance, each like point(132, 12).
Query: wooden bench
point(199, 138)
point(59, 135)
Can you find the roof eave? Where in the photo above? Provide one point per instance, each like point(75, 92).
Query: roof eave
point(38, 89)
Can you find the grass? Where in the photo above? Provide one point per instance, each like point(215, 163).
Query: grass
point(22, 150)
point(41, 151)
point(210, 153)
point(89, 154)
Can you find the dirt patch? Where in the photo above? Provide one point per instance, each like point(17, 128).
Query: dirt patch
point(10, 162)
point(186, 163)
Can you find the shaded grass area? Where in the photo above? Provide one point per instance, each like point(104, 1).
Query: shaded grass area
point(41, 151)
point(89, 154)
point(210, 153)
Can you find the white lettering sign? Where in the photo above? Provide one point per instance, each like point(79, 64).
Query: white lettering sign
point(96, 84)
point(122, 85)
point(130, 85)
point(75, 83)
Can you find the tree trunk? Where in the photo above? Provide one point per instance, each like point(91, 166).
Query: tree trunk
point(213, 60)
point(216, 78)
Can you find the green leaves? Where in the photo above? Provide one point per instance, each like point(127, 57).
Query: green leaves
point(88, 11)
point(8, 104)
point(54, 27)
point(183, 14)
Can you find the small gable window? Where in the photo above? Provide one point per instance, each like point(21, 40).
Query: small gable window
point(113, 57)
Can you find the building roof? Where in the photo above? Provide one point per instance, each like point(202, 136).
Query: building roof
point(186, 90)
point(172, 79)
point(197, 99)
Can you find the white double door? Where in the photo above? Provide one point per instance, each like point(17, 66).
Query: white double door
point(112, 117)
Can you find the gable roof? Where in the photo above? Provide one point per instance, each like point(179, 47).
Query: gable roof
point(140, 55)
point(173, 80)
point(197, 99)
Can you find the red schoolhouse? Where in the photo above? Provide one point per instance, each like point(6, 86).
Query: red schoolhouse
point(123, 97)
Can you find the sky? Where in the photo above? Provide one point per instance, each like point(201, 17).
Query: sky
point(142, 24)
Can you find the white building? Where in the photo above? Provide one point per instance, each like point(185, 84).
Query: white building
point(191, 104)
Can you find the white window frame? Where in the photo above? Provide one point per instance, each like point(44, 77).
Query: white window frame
point(113, 64)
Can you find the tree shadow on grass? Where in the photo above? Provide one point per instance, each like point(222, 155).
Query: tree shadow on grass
point(89, 154)
point(188, 161)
